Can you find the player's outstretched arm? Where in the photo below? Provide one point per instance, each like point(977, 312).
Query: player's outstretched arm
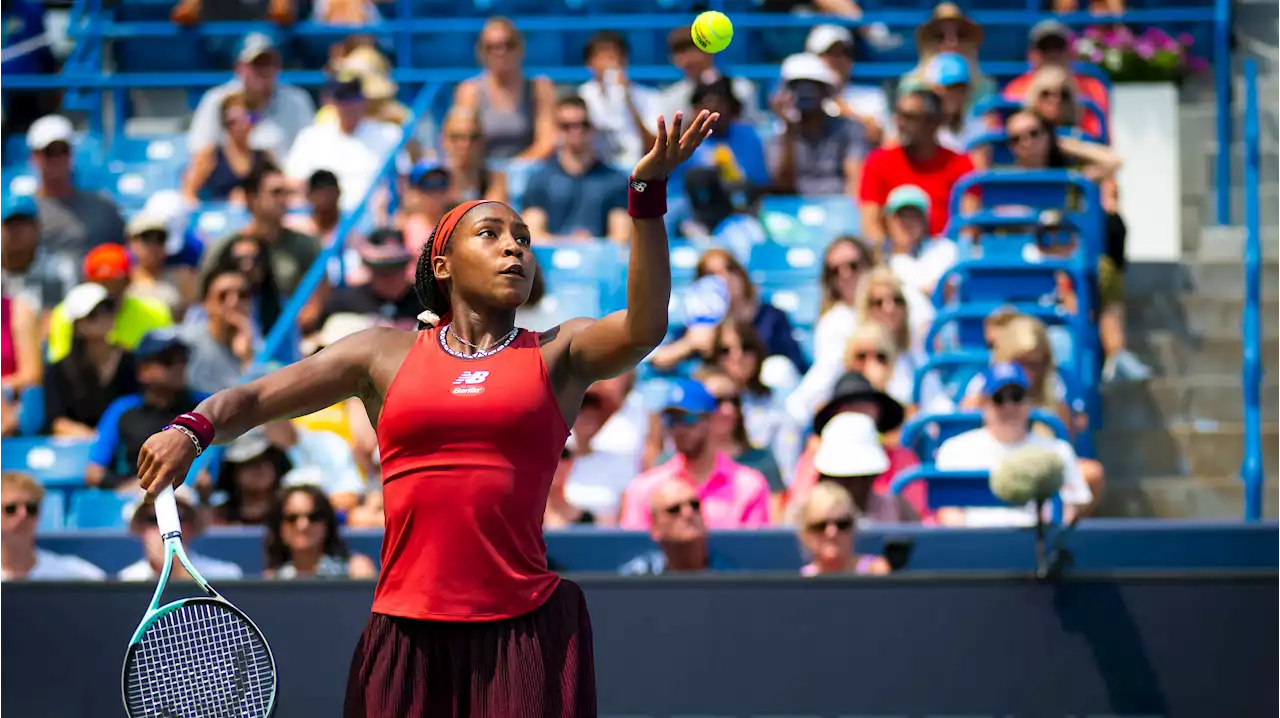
point(336, 373)
point(619, 341)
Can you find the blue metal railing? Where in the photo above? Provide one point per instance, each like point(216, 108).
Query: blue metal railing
point(1251, 470)
point(1222, 92)
point(283, 330)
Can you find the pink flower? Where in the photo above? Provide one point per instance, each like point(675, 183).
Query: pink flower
point(1145, 49)
point(1198, 64)
point(1186, 39)
point(1093, 33)
point(1095, 56)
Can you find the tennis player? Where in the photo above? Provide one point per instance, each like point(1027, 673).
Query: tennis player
point(471, 415)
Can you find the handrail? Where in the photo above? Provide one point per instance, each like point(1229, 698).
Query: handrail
point(1251, 374)
point(283, 328)
point(1222, 105)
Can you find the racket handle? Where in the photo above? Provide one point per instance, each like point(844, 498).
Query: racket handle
point(167, 513)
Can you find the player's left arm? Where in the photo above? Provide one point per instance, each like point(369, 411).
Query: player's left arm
point(616, 343)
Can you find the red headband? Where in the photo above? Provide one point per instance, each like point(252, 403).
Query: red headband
point(444, 231)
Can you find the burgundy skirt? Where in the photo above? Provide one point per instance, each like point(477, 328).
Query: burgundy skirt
point(539, 665)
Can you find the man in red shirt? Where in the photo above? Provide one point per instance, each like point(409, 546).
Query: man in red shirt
point(918, 160)
point(1049, 44)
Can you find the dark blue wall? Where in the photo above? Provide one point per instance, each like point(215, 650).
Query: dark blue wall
point(1196, 646)
point(1100, 545)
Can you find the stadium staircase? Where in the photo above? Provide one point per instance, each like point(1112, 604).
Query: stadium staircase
point(1173, 446)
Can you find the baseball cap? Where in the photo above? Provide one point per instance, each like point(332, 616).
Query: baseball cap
point(255, 45)
point(823, 37)
point(998, 376)
point(806, 66)
point(907, 195)
point(384, 247)
point(345, 87)
point(20, 205)
point(689, 396)
point(247, 447)
point(47, 130)
point(82, 300)
point(158, 341)
point(145, 221)
point(948, 69)
point(1046, 29)
point(106, 261)
point(429, 175)
point(850, 447)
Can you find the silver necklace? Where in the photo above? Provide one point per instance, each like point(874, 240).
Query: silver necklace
point(480, 352)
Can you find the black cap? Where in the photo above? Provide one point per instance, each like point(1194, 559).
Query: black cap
point(345, 88)
point(853, 386)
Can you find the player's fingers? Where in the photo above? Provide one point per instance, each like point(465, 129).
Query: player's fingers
point(673, 135)
point(695, 128)
point(660, 142)
point(145, 461)
point(709, 123)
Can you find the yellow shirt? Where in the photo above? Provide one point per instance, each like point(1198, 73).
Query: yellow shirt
point(137, 316)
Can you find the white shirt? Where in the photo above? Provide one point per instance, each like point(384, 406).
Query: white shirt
point(978, 450)
point(355, 158)
point(617, 136)
point(866, 101)
point(971, 128)
point(211, 568)
point(926, 267)
point(288, 112)
point(830, 335)
point(599, 477)
point(50, 566)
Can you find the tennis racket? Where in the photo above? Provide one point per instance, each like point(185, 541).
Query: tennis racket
point(195, 657)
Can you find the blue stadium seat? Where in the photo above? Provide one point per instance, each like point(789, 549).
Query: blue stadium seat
point(52, 461)
point(955, 370)
point(958, 488)
point(52, 512)
point(776, 262)
point(97, 509)
point(31, 416)
point(924, 433)
point(809, 221)
point(799, 301)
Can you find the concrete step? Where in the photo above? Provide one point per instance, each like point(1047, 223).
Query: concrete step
point(1195, 315)
point(1169, 354)
point(1227, 243)
point(1212, 277)
point(1269, 205)
point(1176, 401)
point(1182, 450)
point(1179, 497)
point(1200, 169)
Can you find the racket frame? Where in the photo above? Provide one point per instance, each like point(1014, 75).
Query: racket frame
point(171, 531)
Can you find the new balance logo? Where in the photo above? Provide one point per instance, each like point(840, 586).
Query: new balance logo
point(469, 383)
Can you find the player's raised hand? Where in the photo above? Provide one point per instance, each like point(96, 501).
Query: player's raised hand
point(164, 460)
point(673, 145)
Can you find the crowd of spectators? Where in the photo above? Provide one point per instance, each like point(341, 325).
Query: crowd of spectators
point(127, 321)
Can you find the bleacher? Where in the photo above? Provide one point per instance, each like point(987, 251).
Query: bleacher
point(131, 46)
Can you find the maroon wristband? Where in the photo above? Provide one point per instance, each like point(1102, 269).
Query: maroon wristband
point(646, 199)
point(200, 427)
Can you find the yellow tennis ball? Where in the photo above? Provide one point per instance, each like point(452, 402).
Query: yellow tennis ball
point(712, 31)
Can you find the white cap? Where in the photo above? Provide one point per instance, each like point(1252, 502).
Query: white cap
point(304, 476)
point(806, 66)
point(170, 207)
point(249, 446)
point(145, 221)
point(47, 130)
point(851, 447)
point(82, 300)
point(824, 37)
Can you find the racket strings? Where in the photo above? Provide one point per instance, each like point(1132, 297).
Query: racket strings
point(201, 660)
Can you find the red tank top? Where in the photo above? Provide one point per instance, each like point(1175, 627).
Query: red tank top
point(468, 450)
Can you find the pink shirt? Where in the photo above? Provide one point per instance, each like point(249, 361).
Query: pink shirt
point(900, 459)
point(733, 497)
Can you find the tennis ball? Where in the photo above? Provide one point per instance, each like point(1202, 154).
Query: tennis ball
point(712, 31)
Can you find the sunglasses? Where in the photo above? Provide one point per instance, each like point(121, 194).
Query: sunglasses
point(881, 357)
point(1028, 136)
point(853, 267)
point(56, 149)
point(675, 509)
point(672, 419)
point(583, 125)
point(314, 517)
point(169, 358)
point(508, 44)
point(889, 303)
point(233, 294)
point(152, 236)
point(734, 399)
point(911, 115)
point(462, 136)
point(32, 508)
point(1064, 95)
point(842, 524)
point(1009, 395)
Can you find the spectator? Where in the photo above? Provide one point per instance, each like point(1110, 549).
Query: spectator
point(324, 197)
point(863, 104)
point(851, 457)
point(223, 346)
point(368, 514)
point(1052, 94)
point(729, 428)
point(388, 296)
point(560, 512)
point(365, 62)
point(623, 113)
point(575, 194)
point(828, 531)
point(21, 366)
point(216, 171)
point(739, 352)
point(36, 276)
point(252, 471)
point(21, 497)
point(1049, 45)
point(948, 31)
point(515, 113)
point(1006, 411)
point(187, 13)
point(949, 76)
point(465, 153)
point(676, 524)
point(347, 419)
point(815, 153)
point(249, 255)
point(150, 276)
point(711, 213)
point(302, 539)
point(872, 353)
point(609, 446)
point(161, 361)
point(847, 260)
point(699, 68)
point(1035, 145)
point(854, 395)
point(143, 525)
point(289, 254)
point(915, 257)
point(282, 111)
point(734, 148)
point(917, 160)
point(906, 314)
point(733, 496)
point(428, 197)
point(72, 220)
point(109, 265)
point(95, 372)
point(183, 248)
point(876, 34)
point(354, 148)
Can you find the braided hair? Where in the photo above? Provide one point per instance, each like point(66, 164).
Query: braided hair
point(431, 295)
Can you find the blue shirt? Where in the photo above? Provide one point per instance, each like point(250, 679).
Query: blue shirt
point(24, 20)
point(580, 202)
point(126, 425)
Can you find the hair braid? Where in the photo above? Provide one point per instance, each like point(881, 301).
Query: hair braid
point(425, 286)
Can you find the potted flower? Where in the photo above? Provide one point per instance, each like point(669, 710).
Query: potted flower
point(1153, 56)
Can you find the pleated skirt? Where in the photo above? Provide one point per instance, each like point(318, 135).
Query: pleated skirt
point(539, 665)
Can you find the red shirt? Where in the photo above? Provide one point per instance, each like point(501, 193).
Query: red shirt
point(889, 167)
point(468, 450)
point(1090, 87)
